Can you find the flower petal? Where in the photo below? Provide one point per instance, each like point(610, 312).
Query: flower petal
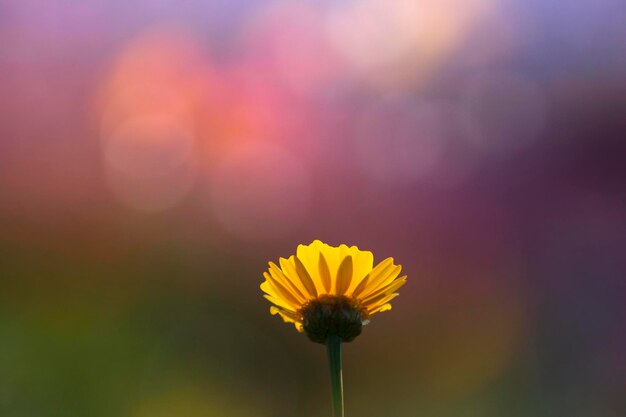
point(385, 277)
point(324, 273)
point(333, 258)
point(267, 288)
point(373, 279)
point(282, 292)
point(373, 307)
point(309, 255)
point(279, 276)
point(305, 277)
point(344, 275)
point(359, 288)
point(381, 293)
point(278, 302)
point(363, 263)
point(380, 309)
point(288, 267)
point(287, 317)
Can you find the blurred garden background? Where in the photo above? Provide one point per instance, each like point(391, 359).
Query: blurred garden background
point(155, 154)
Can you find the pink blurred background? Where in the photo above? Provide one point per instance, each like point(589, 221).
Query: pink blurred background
point(154, 155)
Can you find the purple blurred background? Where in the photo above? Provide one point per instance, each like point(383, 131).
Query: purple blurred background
point(155, 154)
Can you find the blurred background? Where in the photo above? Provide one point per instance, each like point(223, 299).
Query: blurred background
point(155, 154)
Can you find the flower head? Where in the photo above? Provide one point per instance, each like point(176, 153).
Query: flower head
point(325, 290)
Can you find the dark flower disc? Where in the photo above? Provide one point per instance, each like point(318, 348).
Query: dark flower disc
point(333, 315)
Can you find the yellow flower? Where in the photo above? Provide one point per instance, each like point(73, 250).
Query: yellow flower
point(325, 290)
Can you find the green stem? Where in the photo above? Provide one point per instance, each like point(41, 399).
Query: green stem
point(333, 348)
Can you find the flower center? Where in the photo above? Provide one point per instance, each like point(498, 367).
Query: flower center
point(333, 315)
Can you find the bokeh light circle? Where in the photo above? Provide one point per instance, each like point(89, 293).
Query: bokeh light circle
point(148, 119)
point(149, 146)
point(260, 191)
point(506, 112)
point(358, 28)
point(154, 193)
point(397, 44)
point(398, 141)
